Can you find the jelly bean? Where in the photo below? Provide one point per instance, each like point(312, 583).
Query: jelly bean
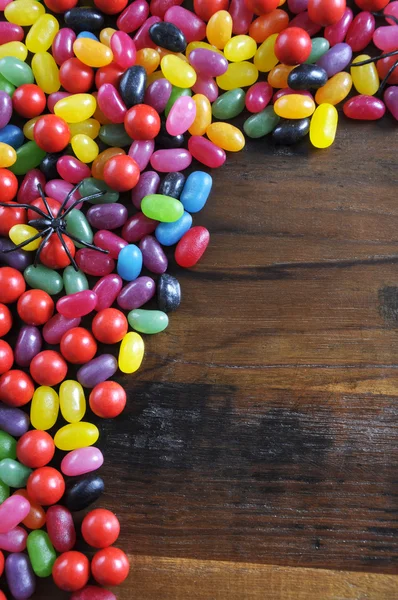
point(41, 553)
point(42, 33)
point(77, 304)
point(84, 18)
point(123, 48)
point(336, 59)
point(6, 86)
point(240, 74)
point(28, 189)
point(147, 185)
point(158, 94)
point(265, 58)
point(386, 38)
point(7, 446)
point(5, 109)
point(162, 208)
point(23, 12)
point(297, 6)
point(169, 293)
point(257, 97)
point(28, 343)
point(13, 420)
point(109, 326)
point(46, 73)
point(58, 189)
point(141, 38)
point(181, 116)
point(57, 326)
point(78, 346)
point(76, 435)
point(206, 152)
point(226, 136)
point(268, 24)
point(335, 90)
point(169, 234)
point(172, 185)
point(294, 106)
point(97, 370)
point(391, 100)
point(9, 32)
point(291, 131)
point(154, 258)
point(171, 160)
point(44, 408)
point(137, 226)
point(176, 93)
point(42, 278)
point(72, 401)
point(305, 76)
point(15, 49)
point(323, 126)
point(229, 105)
point(365, 79)
point(241, 15)
point(169, 36)
point(364, 108)
point(385, 67)
point(129, 262)
point(107, 289)
point(238, 48)
point(208, 63)
point(303, 20)
point(14, 540)
point(53, 99)
point(6, 357)
point(75, 76)
point(109, 241)
point(148, 58)
point(61, 528)
point(82, 461)
point(176, 71)
point(114, 135)
point(136, 293)
point(20, 577)
point(12, 135)
point(319, 47)
point(85, 149)
point(76, 108)
point(71, 169)
point(92, 53)
point(203, 115)
point(90, 127)
point(131, 353)
point(74, 281)
point(335, 34)
point(141, 151)
point(148, 321)
point(15, 475)
point(133, 17)
point(191, 25)
point(361, 30)
point(8, 158)
point(78, 226)
point(107, 216)
point(62, 46)
point(192, 246)
point(48, 166)
point(83, 492)
point(219, 29)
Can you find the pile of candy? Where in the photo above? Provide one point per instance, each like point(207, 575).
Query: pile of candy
point(106, 110)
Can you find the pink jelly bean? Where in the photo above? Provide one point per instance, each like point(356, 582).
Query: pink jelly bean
point(53, 99)
point(287, 91)
point(107, 290)
point(159, 7)
point(302, 20)
point(147, 184)
point(206, 152)
point(55, 328)
point(391, 9)
point(181, 116)
point(391, 100)
point(111, 103)
point(81, 461)
point(335, 34)
point(241, 17)
point(361, 30)
point(109, 241)
point(10, 33)
point(208, 63)
point(141, 38)
point(123, 48)
point(297, 6)
point(4, 3)
point(94, 263)
point(133, 17)
point(206, 86)
point(364, 108)
point(386, 38)
point(14, 540)
point(62, 48)
point(141, 151)
point(171, 160)
point(13, 510)
point(191, 25)
point(28, 189)
point(258, 96)
point(59, 189)
point(71, 169)
point(137, 227)
point(157, 94)
point(77, 305)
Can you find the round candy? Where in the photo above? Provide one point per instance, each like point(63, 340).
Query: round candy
point(293, 46)
point(10, 217)
point(142, 122)
point(6, 357)
point(46, 486)
point(48, 368)
point(110, 566)
point(35, 449)
point(16, 388)
point(326, 12)
point(109, 326)
point(35, 307)
point(29, 100)
point(12, 285)
point(51, 133)
point(5, 320)
point(71, 571)
point(78, 345)
point(121, 173)
point(107, 400)
point(100, 528)
point(8, 185)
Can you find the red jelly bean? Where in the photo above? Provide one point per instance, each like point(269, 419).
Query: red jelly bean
point(107, 290)
point(110, 566)
point(326, 12)
point(6, 357)
point(60, 6)
point(335, 34)
point(46, 486)
point(51, 133)
point(1, 564)
point(192, 246)
point(110, 74)
point(48, 368)
point(206, 152)
point(35, 307)
point(35, 449)
point(266, 25)
point(62, 47)
point(72, 170)
point(61, 528)
point(133, 17)
point(71, 571)
point(78, 346)
point(293, 46)
point(29, 100)
point(8, 185)
point(141, 38)
point(258, 96)
point(111, 103)
point(100, 527)
point(28, 189)
point(94, 263)
point(160, 7)
point(241, 15)
point(16, 388)
point(303, 20)
point(75, 76)
point(12, 285)
point(78, 304)
point(5, 320)
point(109, 241)
point(364, 108)
point(383, 67)
point(360, 32)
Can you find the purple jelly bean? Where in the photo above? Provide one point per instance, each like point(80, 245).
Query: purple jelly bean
point(77, 305)
point(157, 94)
point(94, 263)
point(137, 226)
point(14, 540)
point(181, 116)
point(107, 216)
point(241, 16)
point(147, 184)
point(107, 290)
point(208, 63)
point(97, 370)
point(136, 293)
point(141, 38)
point(55, 328)
point(20, 577)
point(133, 16)
point(5, 109)
point(171, 160)
point(54, 98)
point(19, 259)
point(62, 47)
point(111, 104)
point(336, 59)
point(391, 100)
point(28, 344)
point(9, 32)
point(82, 461)
point(297, 6)
point(72, 170)
point(303, 20)
point(13, 510)
point(190, 24)
point(386, 38)
point(28, 189)
point(107, 240)
point(361, 31)
point(13, 420)
point(154, 258)
point(336, 33)
point(141, 151)
point(206, 86)
point(59, 189)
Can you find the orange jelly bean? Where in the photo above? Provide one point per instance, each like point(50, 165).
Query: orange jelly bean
point(149, 58)
point(36, 517)
point(277, 77)
point(266, 25)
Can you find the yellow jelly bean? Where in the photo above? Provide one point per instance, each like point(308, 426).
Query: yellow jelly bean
point(44, 408)
point(76, 108)
point(193, 45)
point(240, 47)
point(265, 58)
point(20, 233)
point(88, 127)
point(177, 71)
point(76, 435)
point(28, 128)
point(219, 29)
point(226, 136)
point(131, 352)
point(42, 33)
point(8, 156)
point(323, 126)
point(163, 52)
point(335, 90)
point(16, 49)
point(23, 12)
point(46, 72)
point(294, 106)
point(203, 115)
point(84, 147)
point(149, 58)
point(366, 78)
point(105, 36)
point(72, 401)
point(277, 77)
point(92, 53)
point(240, 74)
point(153, 76)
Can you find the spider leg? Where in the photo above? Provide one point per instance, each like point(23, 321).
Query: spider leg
point(374, 59)
point(67, 198)
point(381, 13)
point(65, 247)
point(91, 197)
point(26, 242)
point(86, 244)
point(44, 200)
point(47, 233)
point(27, 206)
point(384, 82)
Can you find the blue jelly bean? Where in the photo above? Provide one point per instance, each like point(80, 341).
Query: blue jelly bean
point(88, 34)
point(129, 262)
point(171, 233)
point(196, 191)
point(12, 135)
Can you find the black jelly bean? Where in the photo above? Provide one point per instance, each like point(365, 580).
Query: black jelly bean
point(169, 293)
point(169, 36)
point(84, 18)
point(304, 77)
point(172, 185)
point(83, 491)
point(132, 86)
point(165, 141)
point(48, 165)
point(290, 131)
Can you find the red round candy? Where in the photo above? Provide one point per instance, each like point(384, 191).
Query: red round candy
point(8, 185)
point(29, 100)
point(12, 285)
point(2, 595)
point(100, 528)
point(326, 12)
point(78, 345)
point(142, 122)
point(110, 566)
point(35, 449)
point(45, 486)
point(38, 202)
point(5, 320)
point(110, 74)
point(109, 326)
point(60, 6)
point(107, 399)
point(51, 133)
point(10, 217)
point(293, 46)
point(71, 571)
point(35, 307)
point(121, 173)
point(92, 592)
point(191, 246)
point(111, 7)
point(16, 388)
point(75, 76)
point(372, 5)
point(48, 368)
point(262, 7)
point(6, 357)
point(206, 8)
point(53, 254)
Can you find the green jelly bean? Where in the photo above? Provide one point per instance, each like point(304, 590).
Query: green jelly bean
point(6, 86)
point(29, 156)
point(148, 321)
point(114, 135)
point(43, 278)
point(229, 105)
point(14, 473)
point(91, 185)
point(16, 71)
point(74, 281)
point(176, 93)
point(4, 491)
point(8, 446)
point(261, 123)
point(162, 208)
point(77, 225)
point(41, 553)
point(320, 46)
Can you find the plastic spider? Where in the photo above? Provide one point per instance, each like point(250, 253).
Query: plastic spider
point(48, 224)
